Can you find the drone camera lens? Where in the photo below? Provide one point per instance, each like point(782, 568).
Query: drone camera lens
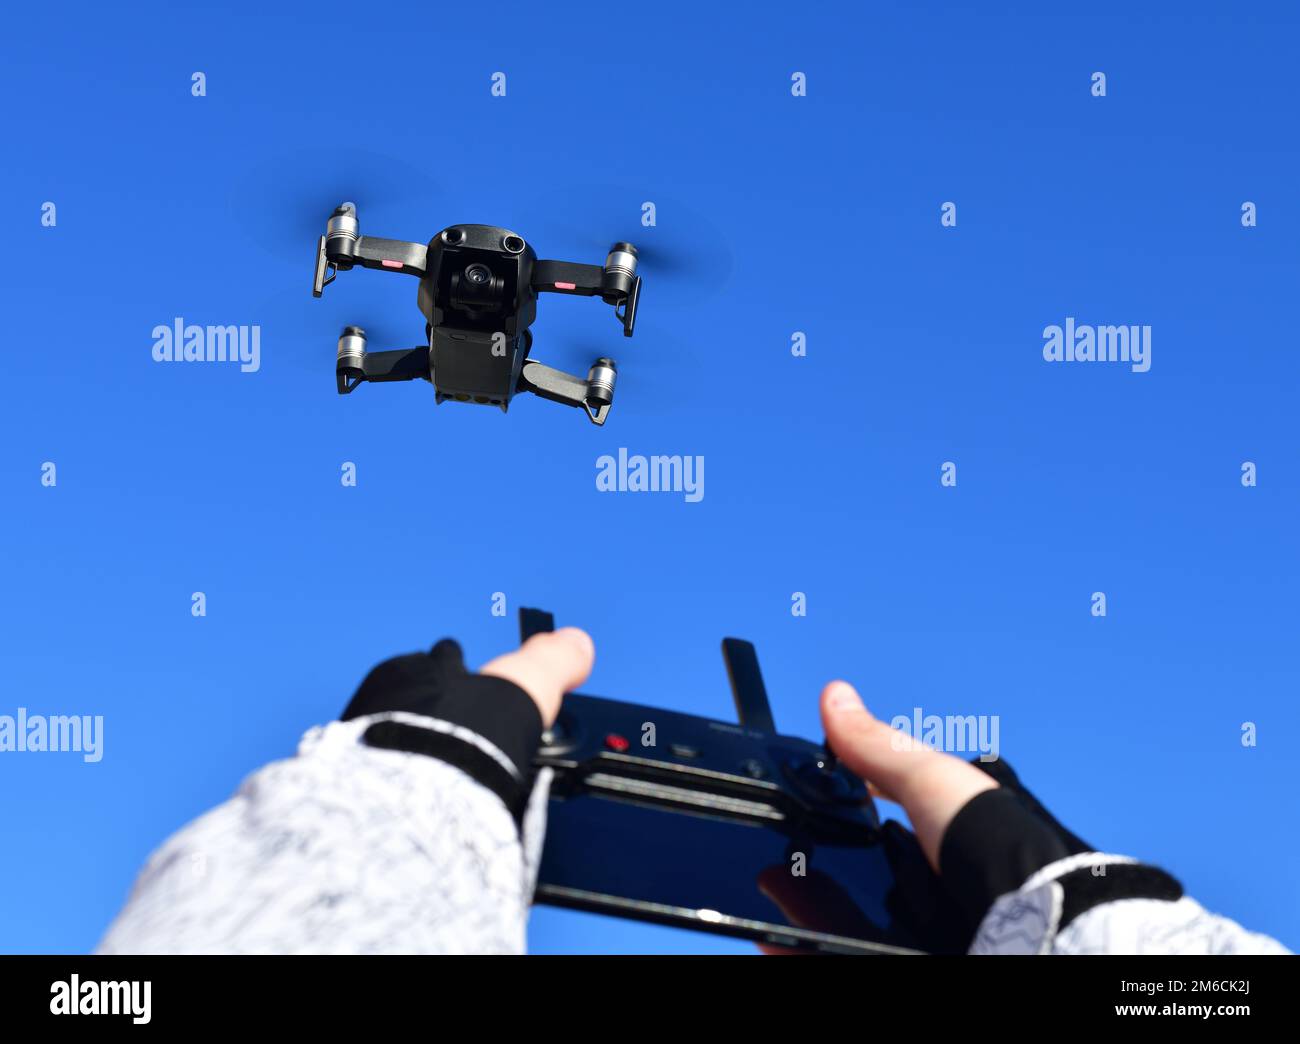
point(479, 275)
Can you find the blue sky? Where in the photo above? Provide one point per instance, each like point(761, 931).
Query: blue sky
point(818, 214)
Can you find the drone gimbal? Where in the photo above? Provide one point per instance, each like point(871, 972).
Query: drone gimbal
point(478, 292)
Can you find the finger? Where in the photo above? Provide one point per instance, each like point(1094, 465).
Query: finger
point(814, 900)
point(772, 950)
point(931, 786)
point(869, 748)
point(773, 884)
point(547, 666)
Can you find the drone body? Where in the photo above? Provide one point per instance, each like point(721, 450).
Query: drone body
point(478, 293)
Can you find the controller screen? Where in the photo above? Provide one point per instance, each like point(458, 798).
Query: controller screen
point(652, 855)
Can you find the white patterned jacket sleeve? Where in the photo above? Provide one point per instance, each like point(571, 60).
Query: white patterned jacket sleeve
point(1029, 920)
point(1025, 884)
point(345, 848)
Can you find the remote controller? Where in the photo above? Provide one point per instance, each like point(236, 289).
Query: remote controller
point(675, 818)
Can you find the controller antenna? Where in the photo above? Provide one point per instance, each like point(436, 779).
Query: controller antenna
point(747, 688)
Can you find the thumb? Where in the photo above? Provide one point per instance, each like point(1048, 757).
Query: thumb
point(547, 666)
point(878, 754)
point(931, 786)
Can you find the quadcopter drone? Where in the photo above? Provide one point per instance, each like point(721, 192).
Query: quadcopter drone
point(478, 292)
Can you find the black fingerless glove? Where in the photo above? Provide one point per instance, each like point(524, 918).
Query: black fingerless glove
point(463, 708)
point(1002, 837)
point(995, 843)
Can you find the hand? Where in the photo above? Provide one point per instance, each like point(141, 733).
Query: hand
point(931, 786)
point(547, 666)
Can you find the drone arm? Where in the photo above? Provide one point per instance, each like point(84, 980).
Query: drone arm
point(566, 277)
point(616, 283)
point(395, 255)
point(594, 395)
point(356, 364)
point(335, 254)
point(400, 364)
